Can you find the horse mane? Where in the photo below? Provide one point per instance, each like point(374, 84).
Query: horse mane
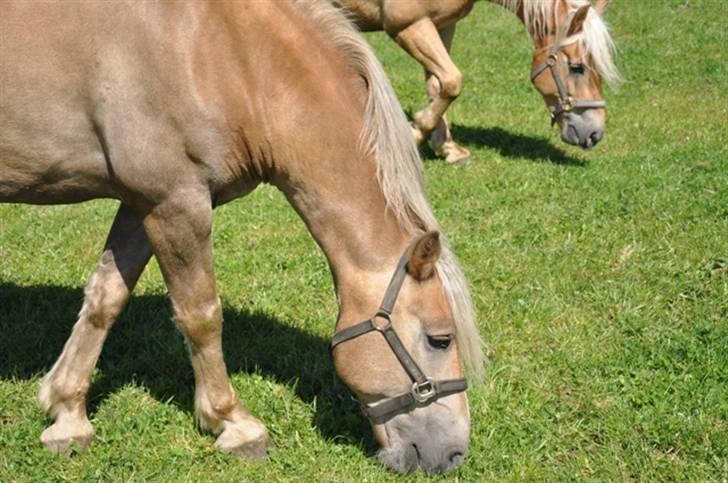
point(387, 135)
point(541, 17)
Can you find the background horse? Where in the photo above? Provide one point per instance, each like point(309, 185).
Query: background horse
point(569, 36)
point(175, 108)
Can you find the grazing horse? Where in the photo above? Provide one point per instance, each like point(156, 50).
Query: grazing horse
point(174, 108)
point(572, 54)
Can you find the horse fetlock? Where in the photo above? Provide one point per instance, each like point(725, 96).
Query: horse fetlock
point(68, 434)
point(213, 417)
point(417, 133)
point(247, 439)
point(56, 395)
point(425, 123)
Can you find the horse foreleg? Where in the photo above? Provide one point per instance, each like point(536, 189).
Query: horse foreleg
point(422, 41)
point(63, 391)
point(441, 139)
point(180, 233)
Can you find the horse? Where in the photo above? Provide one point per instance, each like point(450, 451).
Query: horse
point(175, 108)
point(573, 52)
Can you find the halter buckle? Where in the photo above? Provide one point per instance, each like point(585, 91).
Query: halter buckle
point(567, 105)
point(423, 391)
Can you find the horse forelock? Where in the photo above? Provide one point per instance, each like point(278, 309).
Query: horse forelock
point(541, 17)
point(387, 135)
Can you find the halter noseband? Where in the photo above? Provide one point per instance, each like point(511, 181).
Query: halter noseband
point(424, 390)
point(566, 102)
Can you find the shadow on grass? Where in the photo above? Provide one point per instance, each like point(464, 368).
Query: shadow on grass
point(509, 145)
point(144, 347)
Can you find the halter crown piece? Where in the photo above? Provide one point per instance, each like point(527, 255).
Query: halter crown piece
point(424, 390)
point(566, 102)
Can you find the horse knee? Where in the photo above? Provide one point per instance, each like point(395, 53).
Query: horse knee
point(105, 295)
point(451, 84)
point(200, 323)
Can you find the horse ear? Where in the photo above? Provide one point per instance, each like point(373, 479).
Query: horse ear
point(577, 23)
point(423, 256)
point(601, 6)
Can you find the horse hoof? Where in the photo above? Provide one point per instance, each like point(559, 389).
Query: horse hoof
point(244, 443)
point(452, 153)
point(458, 160)
point(65, 439)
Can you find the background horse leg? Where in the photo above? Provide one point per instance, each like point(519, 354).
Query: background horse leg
point(441, 138)
point(180, 233)
point(422, 41)
point(63, 391)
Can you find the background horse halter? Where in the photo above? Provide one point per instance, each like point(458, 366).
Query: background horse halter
point(565, 102)
point(425, 390)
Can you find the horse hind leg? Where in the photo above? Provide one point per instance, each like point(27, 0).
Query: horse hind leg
point(63, 390)
point(180, 234)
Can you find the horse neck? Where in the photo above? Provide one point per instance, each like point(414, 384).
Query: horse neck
point(516, 8)
point(346, 214)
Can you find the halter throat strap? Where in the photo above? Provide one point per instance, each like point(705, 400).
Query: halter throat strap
point(424, 390)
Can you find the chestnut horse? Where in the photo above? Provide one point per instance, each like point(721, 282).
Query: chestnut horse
point(572, 54)
point(174, 108)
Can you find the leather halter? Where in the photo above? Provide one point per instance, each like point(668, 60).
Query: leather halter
point(566, 102)
point(424, 390)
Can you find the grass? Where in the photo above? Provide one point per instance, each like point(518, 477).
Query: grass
point(601, 280)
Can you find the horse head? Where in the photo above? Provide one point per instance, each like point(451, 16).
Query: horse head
point(573, 56)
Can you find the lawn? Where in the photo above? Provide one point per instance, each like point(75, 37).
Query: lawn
point(600, 280)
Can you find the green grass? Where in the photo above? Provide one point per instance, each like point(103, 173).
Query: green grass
point(600, 278)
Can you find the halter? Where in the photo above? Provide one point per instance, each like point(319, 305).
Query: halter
point(566, 102)
point(424, 390)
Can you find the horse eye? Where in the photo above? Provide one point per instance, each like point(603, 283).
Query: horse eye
point(439, 342)
point(577, 69)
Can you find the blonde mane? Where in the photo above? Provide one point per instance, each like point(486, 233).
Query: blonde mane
point(388, 136)
point(542, 16)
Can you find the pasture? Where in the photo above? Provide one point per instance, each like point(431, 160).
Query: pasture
point(600, 280)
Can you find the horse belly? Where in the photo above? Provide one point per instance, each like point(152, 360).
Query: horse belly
point(49, 152)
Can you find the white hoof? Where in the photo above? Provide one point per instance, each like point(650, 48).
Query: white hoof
point(245, 440)
point(453, 153)
point(64, 438)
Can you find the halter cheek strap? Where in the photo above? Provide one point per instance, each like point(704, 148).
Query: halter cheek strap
point(424, 390)
point(566, 102)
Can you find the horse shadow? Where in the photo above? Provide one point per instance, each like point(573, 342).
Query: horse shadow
point(510, 145)
point(145, 348)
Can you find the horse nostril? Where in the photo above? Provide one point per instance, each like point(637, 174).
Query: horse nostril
point(595, 138)
point(456, 457)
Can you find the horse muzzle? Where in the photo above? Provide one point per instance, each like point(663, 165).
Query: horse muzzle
point(581, 129)
point(422, 441)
